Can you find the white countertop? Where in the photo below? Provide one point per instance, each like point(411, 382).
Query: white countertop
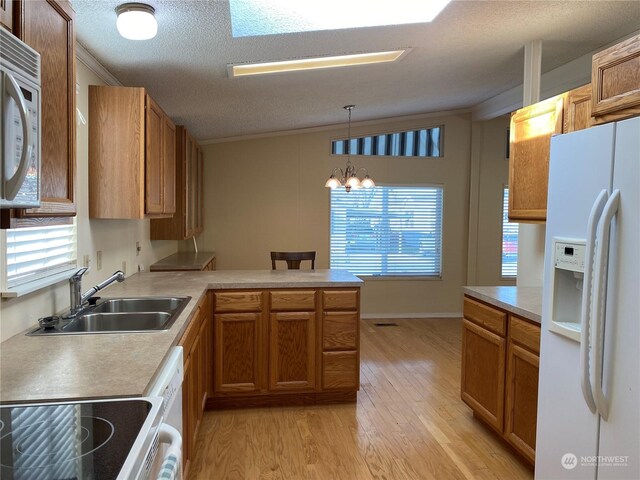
point(62, 367)
point(523, 301)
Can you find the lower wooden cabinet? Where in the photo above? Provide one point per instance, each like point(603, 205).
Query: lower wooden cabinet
point(500, 356)
point(483, 367)
point(292, 346)
point(236, 352)
point(197, 343)
point(285, 345)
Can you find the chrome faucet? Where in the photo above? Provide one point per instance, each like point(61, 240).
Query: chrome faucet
point(78, 299)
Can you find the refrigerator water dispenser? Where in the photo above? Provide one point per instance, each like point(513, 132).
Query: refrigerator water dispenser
point(566, 288)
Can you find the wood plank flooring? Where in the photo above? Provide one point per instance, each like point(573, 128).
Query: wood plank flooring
point(408, 422)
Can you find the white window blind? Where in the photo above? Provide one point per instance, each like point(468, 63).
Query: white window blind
point(509, 240)
point(36, 253)
point(386, 230)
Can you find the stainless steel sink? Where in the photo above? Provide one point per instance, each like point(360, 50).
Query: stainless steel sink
point(130, 305)
point(119, 322)
point(120, 315)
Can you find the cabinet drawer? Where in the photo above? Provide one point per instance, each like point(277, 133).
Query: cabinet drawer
point(340, 331)
point(488, 317)
point(293, 300)
point(238, 301)
point(340, 299)
point(524, 333)
point(340, 370)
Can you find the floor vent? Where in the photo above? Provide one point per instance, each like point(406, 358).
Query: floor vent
point(387, 324)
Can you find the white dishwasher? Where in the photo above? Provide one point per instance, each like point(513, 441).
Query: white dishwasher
point(168, 386)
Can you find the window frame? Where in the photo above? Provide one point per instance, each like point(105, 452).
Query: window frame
point(405, 277)
point(505, 214)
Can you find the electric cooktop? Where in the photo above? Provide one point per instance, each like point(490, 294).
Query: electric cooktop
point(69, 441)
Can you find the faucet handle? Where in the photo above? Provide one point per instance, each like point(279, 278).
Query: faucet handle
point(78, 275)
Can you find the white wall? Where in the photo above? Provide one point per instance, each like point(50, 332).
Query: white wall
point(266, 194)
point(115, 238)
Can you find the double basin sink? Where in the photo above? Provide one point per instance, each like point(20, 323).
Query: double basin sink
point(118, 315)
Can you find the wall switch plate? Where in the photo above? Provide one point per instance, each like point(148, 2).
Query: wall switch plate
point(86, 261)
point(99, 260)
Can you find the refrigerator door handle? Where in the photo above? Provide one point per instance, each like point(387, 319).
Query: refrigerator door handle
point(585, 318)
point(598, 301)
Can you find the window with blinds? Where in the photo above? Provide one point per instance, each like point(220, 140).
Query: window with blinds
point(387, 231)
point(426, 142)
point(509, 240)
point(36, 253)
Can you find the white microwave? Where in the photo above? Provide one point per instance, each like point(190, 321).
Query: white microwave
point(19, 123)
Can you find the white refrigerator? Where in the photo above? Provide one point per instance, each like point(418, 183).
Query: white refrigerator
point(589, 388)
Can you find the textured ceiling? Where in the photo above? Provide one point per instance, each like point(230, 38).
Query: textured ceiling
point(471, 52)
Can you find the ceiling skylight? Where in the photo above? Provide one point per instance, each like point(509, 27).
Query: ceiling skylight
point(268, 17)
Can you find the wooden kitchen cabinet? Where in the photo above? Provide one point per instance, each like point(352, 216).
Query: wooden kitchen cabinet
point(49, 28)
point(197, 342)
point(530, 136)
point(131, 155)
point(188, 219)
point(6, 14)
point(615, 81)
point(285, 346)
point(577, 109)
point(292, 349)
point(499, 381)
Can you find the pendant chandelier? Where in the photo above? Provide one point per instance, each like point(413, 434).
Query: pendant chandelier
point(348, 178)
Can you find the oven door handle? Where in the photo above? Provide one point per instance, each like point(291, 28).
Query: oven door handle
point(170, 468)
point(12, 185)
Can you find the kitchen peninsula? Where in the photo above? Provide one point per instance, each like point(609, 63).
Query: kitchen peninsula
point(268, 312)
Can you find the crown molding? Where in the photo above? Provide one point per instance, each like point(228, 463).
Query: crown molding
point(88, 60)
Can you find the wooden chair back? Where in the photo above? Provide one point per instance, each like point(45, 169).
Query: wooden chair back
point(293, 259)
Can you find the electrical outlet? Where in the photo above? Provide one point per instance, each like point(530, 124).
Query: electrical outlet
point(124, 267)
point(86, 261)
point(138, 248)
point(99, 260)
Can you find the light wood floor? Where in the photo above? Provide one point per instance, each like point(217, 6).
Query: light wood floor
point(408, 423)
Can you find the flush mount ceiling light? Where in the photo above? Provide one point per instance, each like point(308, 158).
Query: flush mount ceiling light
point(349, 176)
point(136, 21)
point(313, 63)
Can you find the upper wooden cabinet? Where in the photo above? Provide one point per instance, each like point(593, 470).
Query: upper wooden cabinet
point(615, 81)
point(530, 137)
point(131, 155)
point(6, 14)
point(188, 219)
point(48, 27)
point(577, 109)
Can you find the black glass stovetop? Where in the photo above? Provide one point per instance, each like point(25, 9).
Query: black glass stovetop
point(68, 441)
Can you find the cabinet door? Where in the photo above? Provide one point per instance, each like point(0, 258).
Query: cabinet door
point(522, 400)
point(202, 368)
point(530, 141)
point(483, 370)
point(236, 352)
point(6, 14)
point(292, 351)
point(209, 351)
point(189, 185)
point(154, 188)
point(577, 109)
point(49, 29)
point(615, 81)
point(169, 165)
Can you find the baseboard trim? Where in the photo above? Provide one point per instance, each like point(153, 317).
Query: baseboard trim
point(367, 316)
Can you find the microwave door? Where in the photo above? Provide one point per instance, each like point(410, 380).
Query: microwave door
point(19, 140)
